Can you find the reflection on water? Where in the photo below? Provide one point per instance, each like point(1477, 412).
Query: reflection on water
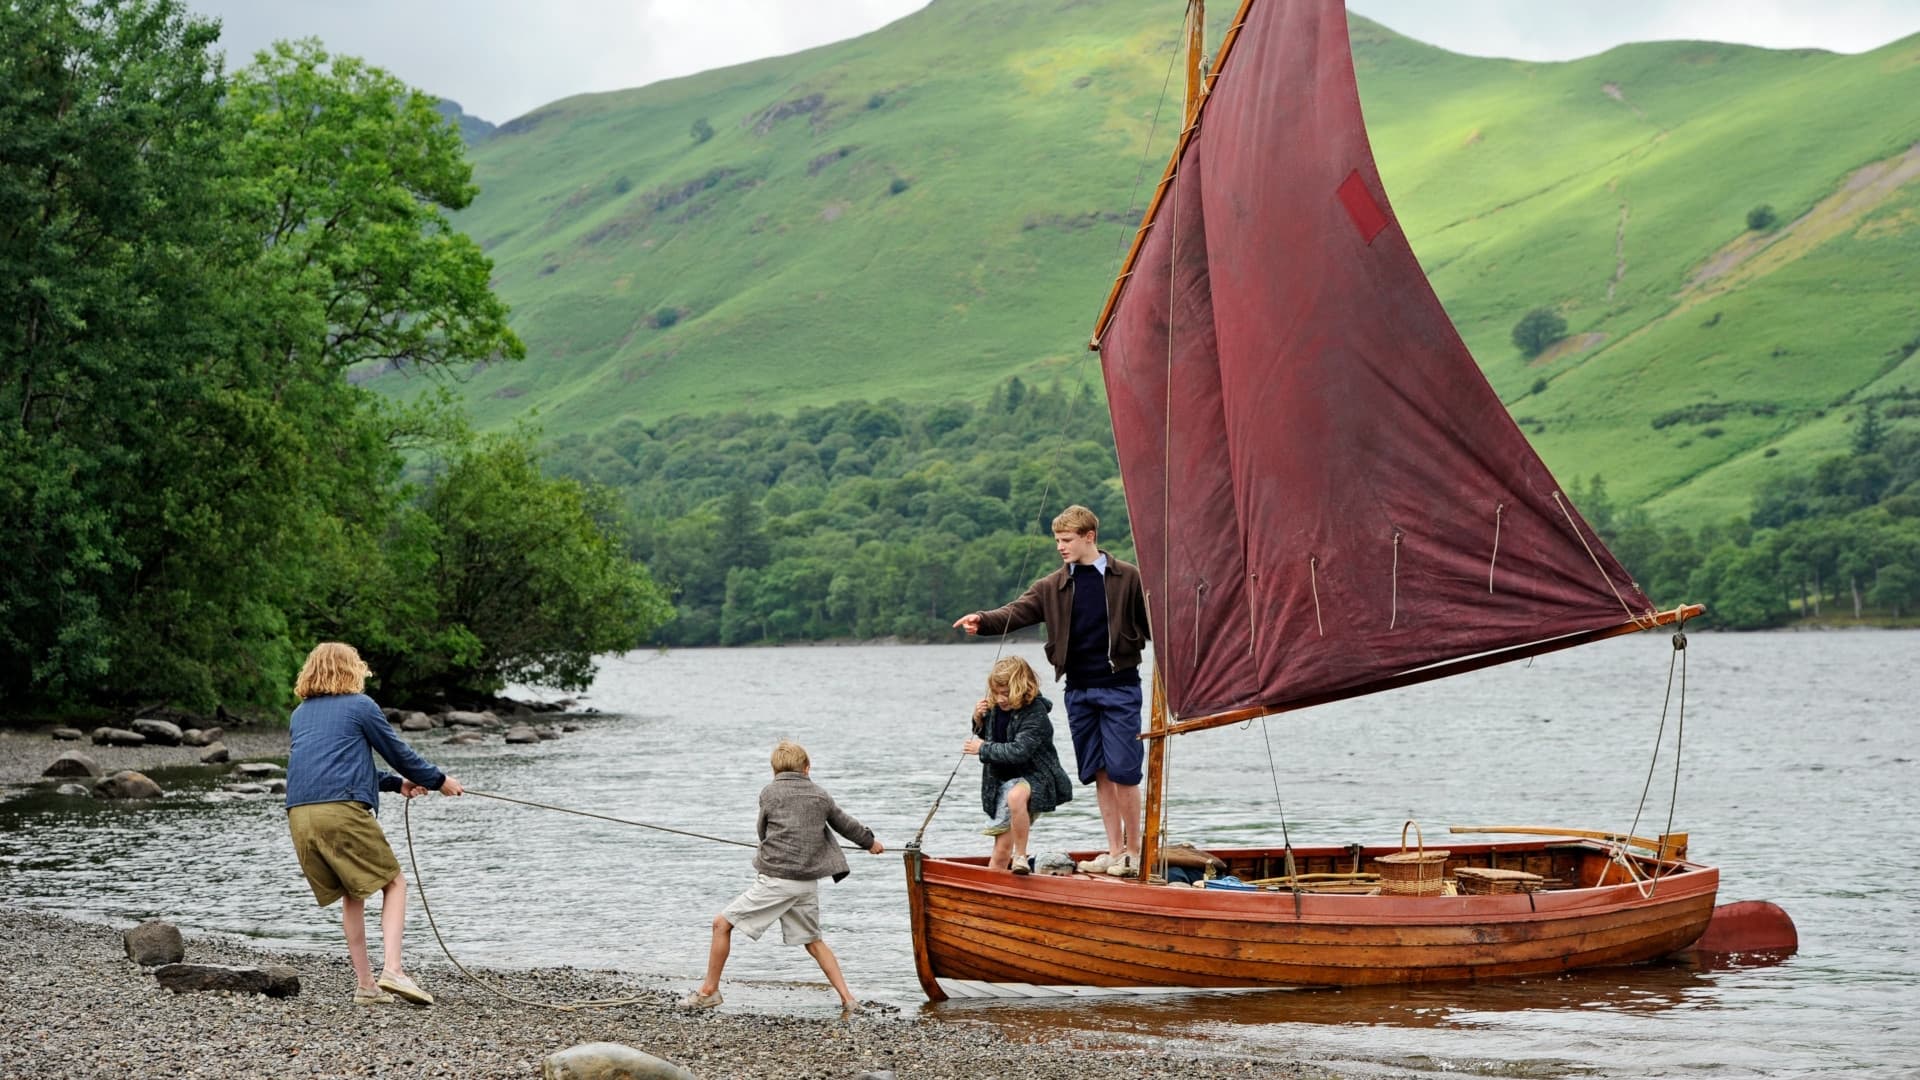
point(1799, 755)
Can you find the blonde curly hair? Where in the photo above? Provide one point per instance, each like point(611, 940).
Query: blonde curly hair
point(331, 668)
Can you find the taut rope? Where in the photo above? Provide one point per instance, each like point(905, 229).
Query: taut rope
point(563, 1006)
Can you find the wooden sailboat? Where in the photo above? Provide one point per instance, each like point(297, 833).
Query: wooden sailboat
point(1327, 500)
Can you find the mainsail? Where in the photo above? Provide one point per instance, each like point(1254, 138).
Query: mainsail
point(1326, 496)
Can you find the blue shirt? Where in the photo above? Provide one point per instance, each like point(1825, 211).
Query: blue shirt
point(331, 758)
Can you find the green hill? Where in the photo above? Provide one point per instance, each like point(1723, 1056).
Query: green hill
point(920, 212)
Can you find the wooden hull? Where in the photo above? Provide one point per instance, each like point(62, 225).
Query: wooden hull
point(970, 923)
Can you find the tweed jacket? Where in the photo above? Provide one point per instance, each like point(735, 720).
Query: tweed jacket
point(796, 815)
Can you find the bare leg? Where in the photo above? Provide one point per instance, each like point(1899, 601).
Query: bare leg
point(1106, 793)
point(1002, 852)
point(1126, 799)
point(717, 954)
point(1022, 821)
point(353, 919)
point(393, 923)
point(830, 965)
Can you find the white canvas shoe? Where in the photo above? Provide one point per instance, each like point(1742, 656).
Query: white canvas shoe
point(1124, 867)
point(1096, 865)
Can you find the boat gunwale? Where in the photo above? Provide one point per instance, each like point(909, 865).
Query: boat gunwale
point(1679, 880)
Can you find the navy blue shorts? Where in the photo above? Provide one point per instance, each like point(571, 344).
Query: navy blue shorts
point(1105, 721)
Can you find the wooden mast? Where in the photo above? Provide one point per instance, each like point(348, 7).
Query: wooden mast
point(1155, 797)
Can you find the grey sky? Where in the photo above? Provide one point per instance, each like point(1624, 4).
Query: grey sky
point(501, 58)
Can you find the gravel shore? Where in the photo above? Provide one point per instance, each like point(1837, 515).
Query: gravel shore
point(26, 753)
point(74, 1005)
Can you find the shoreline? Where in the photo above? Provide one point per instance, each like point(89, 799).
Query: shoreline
point(77, 1006)
point(25, 753)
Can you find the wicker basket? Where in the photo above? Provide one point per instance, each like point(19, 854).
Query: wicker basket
point(1482, 880)
point(1413, 873)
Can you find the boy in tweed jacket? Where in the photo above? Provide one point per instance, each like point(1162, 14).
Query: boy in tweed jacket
point(796, 851)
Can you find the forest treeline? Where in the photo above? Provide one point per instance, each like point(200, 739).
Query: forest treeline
point(193, 490)
point(890, 520)
point(862, 520)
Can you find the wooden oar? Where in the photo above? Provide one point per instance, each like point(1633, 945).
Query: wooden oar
point(1307, 878)
point(1669, 846)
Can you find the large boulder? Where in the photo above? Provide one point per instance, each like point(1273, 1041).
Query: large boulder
point(522, 734)
point(216, 754)
point(415, 721)
point(460, 718)
point(158, 732)
point(127, 784)
point(154, 943)
point(258, 770)
point(202, 736)
point(113, 736)
point(609, 1061)
point(73, 763)
point(73, 791)
point(68, 734)
point(273, 980)
point(466, 738)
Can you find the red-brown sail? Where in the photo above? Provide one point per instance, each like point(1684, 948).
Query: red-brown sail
point(1325, 493)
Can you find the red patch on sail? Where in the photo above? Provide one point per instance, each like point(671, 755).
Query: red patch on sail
point(1366, 214)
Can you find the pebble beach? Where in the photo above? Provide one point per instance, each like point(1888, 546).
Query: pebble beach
point(72, 1004)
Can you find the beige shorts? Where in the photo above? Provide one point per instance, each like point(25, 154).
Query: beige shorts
point(342, 850)
point(796, 904)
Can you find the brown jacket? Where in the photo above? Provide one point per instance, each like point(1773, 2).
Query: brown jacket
point(1050, 601)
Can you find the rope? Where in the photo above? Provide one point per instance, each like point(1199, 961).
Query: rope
point(1286, 838)
point(1393, 616)
point(1140, 172)
point(622, 821)
point(1313, 574)
point(1604, 576)
point(420, 883)
point(1495, 557)
point(1678, 656)
point(928, 820)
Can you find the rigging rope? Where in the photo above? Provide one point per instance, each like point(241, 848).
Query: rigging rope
point(1604, 576)
point(1678, 658)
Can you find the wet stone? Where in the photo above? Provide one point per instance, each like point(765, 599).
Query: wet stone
point(72, 763)
point(112, 736)
point(273, 980)
point(609, 1061)
point(68, 734)
point(154, 943)
point(215, 754)
point(128, 784)
point(158, 732)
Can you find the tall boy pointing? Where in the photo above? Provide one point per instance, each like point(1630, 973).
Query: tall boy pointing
point(1096, 617)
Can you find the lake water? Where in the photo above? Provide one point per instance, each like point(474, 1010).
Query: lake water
point(1799, 777)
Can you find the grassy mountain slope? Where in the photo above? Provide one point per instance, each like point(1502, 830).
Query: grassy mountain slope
point(922, 211)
